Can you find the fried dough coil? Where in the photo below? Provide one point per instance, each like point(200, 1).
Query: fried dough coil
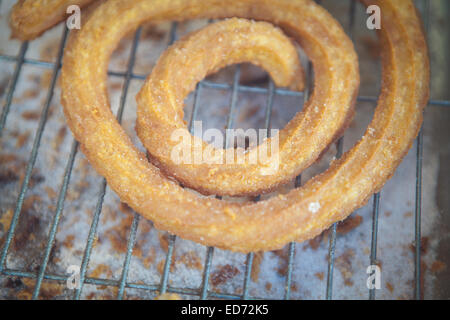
point(30, 18)
point(235, 172)
point(270, 224)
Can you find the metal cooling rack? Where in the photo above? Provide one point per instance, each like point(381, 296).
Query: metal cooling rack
point(203, 291)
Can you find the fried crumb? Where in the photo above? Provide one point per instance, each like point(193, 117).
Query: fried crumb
point(22, 139)
point(161, 264)
point(68, 242)
point(319, 275)
point(125, 208)
point(30, 202)
point(8, 175)
point(294, 287)
point(315, 242)
point(59, 138)
point(46, 79)
point(349, 224)
point(372, 46)
point(115, 86)
point(283, 261)
point(163, 240)
point(109, 214)
point(95, 241)
point(118, 234)
point(390, 287)
point(168, 296)
point(152, 32)
point(248, 112)
point(424, 241)
point(191, 260)
point(50, 192)
point(256, 266)
point(82, 185)
point(408, 214)
point(424, 268)
point(5, 222)
point(27, 292)
point(438, 266)
point(101, 270)
point(344, 265)
point(8, 157)
point(28, 94)
point(223, 274)
point(144, 227)
point(150, 258)
point(72, 194)
point(229, 212)
point(49, 289)
point(35, 179)
point(313, 207)
point(103, 293)
point(31, 115)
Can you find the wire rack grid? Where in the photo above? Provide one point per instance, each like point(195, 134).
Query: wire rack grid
point(203, 292)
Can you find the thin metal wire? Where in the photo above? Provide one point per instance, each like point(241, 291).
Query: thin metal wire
point(269, 104)
point(418, 196)
point(126, 263)
point(33, 156)
point(167, 264)
point(234, 97)
point(331, 252)
point(206, 272)
point(12, 87)
point(248, 273)
point(290, 268)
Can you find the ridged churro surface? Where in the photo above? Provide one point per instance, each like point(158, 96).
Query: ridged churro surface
point(276, 160)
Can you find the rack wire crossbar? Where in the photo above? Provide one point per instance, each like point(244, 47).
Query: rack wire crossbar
point(203, 291)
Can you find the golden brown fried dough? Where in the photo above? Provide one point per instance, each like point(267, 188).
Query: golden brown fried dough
point(30, 18)
point(160, 110)
point(270, 224)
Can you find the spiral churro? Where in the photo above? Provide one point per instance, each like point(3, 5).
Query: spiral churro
point(303, 212)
